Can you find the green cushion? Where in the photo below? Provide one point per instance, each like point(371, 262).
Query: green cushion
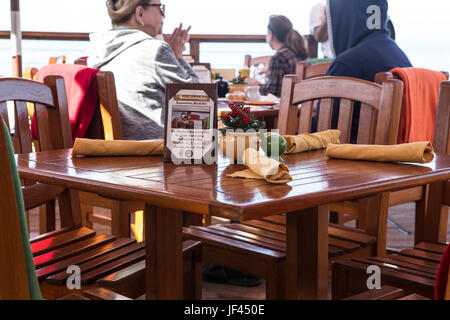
point(35, 292)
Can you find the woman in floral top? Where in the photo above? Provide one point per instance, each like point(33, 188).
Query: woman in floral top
point(290, 48)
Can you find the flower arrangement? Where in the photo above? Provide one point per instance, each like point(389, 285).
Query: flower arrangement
point(240, 117)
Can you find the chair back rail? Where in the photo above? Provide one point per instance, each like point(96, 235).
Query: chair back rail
point(379, 104)
point(249, 61)
point(305, 71)
point(13, 274)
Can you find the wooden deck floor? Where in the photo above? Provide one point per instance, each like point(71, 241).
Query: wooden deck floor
point(402, 216)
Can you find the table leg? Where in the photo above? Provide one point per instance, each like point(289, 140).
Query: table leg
point(307, 254)
point(164, 260)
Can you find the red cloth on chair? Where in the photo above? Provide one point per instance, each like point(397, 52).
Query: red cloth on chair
point(82, 96)
point(442, 277)
point(420, 99)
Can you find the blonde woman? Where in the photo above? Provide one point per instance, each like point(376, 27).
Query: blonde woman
point(142, 62)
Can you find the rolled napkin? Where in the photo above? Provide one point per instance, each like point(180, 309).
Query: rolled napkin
point(93, 147)
point(419, 152)
point(262, 167)
point(311, 141)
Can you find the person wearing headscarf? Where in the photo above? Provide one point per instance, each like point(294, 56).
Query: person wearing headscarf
point(290, 48)
point(142, 61)
point(362, 44)
point(360, 39)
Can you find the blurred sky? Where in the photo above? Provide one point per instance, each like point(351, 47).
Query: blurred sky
point(422, 27)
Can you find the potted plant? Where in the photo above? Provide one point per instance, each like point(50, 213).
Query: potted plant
point(241, 131)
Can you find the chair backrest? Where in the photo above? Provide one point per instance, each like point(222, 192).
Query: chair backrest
point(379, 104)
point(13, 274)
point(305, 71)
point(48, 98)
point(106, 122)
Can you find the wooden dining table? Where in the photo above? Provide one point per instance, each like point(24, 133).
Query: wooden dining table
point(169, 189)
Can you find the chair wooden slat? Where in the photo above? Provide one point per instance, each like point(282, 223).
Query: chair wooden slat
point(4, 112)
point(367, 127)
point(442, 129)
point(345, 119)
point(42, 126)
point(22, 127)
point(325, 113)
point(288, 114)
point(72, 250)
point(118, 247)
point(304, 120)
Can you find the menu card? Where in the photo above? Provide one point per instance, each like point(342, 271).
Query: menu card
point(190, 123)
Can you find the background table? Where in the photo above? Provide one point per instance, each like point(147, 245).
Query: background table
point(169, 189)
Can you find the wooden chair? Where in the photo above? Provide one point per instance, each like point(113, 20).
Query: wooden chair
point(305, 71)
point(16, 277)
point(413, 270)
point(258, 247)
point(350, 210)
point(106, 125)
point(97, 255)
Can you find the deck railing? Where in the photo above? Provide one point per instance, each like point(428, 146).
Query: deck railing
point(194, 42)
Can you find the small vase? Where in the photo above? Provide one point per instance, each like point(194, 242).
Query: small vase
point(234, 143)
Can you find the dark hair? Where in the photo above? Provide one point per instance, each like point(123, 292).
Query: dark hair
point(120, 11)
point(282, 29)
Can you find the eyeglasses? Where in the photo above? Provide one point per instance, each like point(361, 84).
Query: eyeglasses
point(162, 7)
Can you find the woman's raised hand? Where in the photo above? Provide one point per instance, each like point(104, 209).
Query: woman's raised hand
point(177, 40)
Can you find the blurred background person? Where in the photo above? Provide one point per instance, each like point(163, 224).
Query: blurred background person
point(290, 48)
point(362, 45)
point(318, 24)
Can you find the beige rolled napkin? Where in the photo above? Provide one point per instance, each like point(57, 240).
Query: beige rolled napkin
point(93, 147)
point(262, 167)
point(419, 152)
point(311, 141)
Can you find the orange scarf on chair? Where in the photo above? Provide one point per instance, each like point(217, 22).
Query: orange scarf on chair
point(420, 99)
